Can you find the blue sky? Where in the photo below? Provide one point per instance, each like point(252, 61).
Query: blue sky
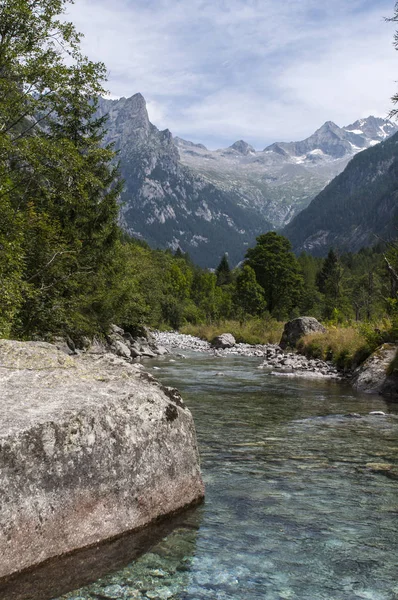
point(215, 71)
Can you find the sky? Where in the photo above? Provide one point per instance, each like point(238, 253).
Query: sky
point(216, 71)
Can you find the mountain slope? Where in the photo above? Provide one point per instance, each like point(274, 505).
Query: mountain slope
point(360, 204)
point(165, 203)
point(282, 179)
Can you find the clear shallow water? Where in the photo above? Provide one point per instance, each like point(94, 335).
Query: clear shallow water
point(301, 502)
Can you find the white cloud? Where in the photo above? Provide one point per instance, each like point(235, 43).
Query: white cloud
point(262, 70)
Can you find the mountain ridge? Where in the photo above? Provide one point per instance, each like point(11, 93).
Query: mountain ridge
point(166, 204)
point(282, 179)
point(356, 209)
point(180, 194)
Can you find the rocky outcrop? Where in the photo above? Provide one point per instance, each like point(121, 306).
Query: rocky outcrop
point(225, 340)
point(90, 447)
point(117, 341)
point(374, 376)
point(298, 328)
point(167, 204)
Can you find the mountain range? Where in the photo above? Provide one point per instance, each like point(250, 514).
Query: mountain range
point(207, 202)
point(357, 208)
point(166, 203)
point(282, 179)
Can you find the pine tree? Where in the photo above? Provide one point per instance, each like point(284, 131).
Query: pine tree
point(223, 272)
point(249, 295)
point(277, 271)
point(332, 283)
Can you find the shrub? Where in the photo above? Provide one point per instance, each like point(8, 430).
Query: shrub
point(252, 331)
point(346, 347)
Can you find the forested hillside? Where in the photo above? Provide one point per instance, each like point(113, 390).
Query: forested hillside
point(356, 209)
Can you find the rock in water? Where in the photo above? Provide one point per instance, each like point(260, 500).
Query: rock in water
point(90, 447)
point(373, 376)
point(225, 340)
point(296, 329)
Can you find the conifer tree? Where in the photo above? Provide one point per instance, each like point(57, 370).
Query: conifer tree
point(249, 295)
point(223, 272)
point(277, 271)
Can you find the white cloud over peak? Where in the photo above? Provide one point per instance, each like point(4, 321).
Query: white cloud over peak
point(261, 70)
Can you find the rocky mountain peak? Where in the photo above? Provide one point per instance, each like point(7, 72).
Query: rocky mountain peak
point(126, 116)
point(373, 128)
point(242, 147)
point(329, 125)
point(186, 144)
point(329, 128)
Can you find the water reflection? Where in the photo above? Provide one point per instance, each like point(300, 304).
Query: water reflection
point(100, 563)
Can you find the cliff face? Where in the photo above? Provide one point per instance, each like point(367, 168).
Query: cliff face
point(167, 204)
point(90, 447)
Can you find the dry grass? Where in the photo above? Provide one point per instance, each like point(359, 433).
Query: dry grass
point(347, 347)
point(254, 331)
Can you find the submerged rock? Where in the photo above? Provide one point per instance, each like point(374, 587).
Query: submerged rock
point(296, 329)
point(90, 447)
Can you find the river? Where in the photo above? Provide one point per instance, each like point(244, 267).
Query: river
point(301, 500)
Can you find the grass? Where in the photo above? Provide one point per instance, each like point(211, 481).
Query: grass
point(254, 331)
point(346, 347)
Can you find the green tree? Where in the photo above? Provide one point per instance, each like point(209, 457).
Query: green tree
point(223, 272)
point(11, 266)
point(204, 294)
point(277, 271)
point(332, 283)
point(248, 294)
point(178, 279)
point(58, 180)
point(328, 271)
point(311, 299)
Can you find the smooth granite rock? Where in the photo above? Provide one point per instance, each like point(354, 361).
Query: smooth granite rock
point(296, 329)
point(90, 447)
point(225, 340)
point(372, 376)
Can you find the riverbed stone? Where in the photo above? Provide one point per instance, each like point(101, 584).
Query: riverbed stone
point(298, 328)
point(225, 340)
point(373, 377)
point(90, 447)
point(121, 349)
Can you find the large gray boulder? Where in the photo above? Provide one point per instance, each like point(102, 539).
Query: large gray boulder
point(225, 340)
point(90, 447)
point(296, 329)
point(374, 377)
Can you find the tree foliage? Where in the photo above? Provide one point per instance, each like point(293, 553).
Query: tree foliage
point(58, 188)
point(277, 271)
point(223, 272)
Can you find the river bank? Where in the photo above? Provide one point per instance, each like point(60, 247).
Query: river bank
point(276, 361)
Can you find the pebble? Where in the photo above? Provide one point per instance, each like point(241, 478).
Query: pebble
point(113, 592)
